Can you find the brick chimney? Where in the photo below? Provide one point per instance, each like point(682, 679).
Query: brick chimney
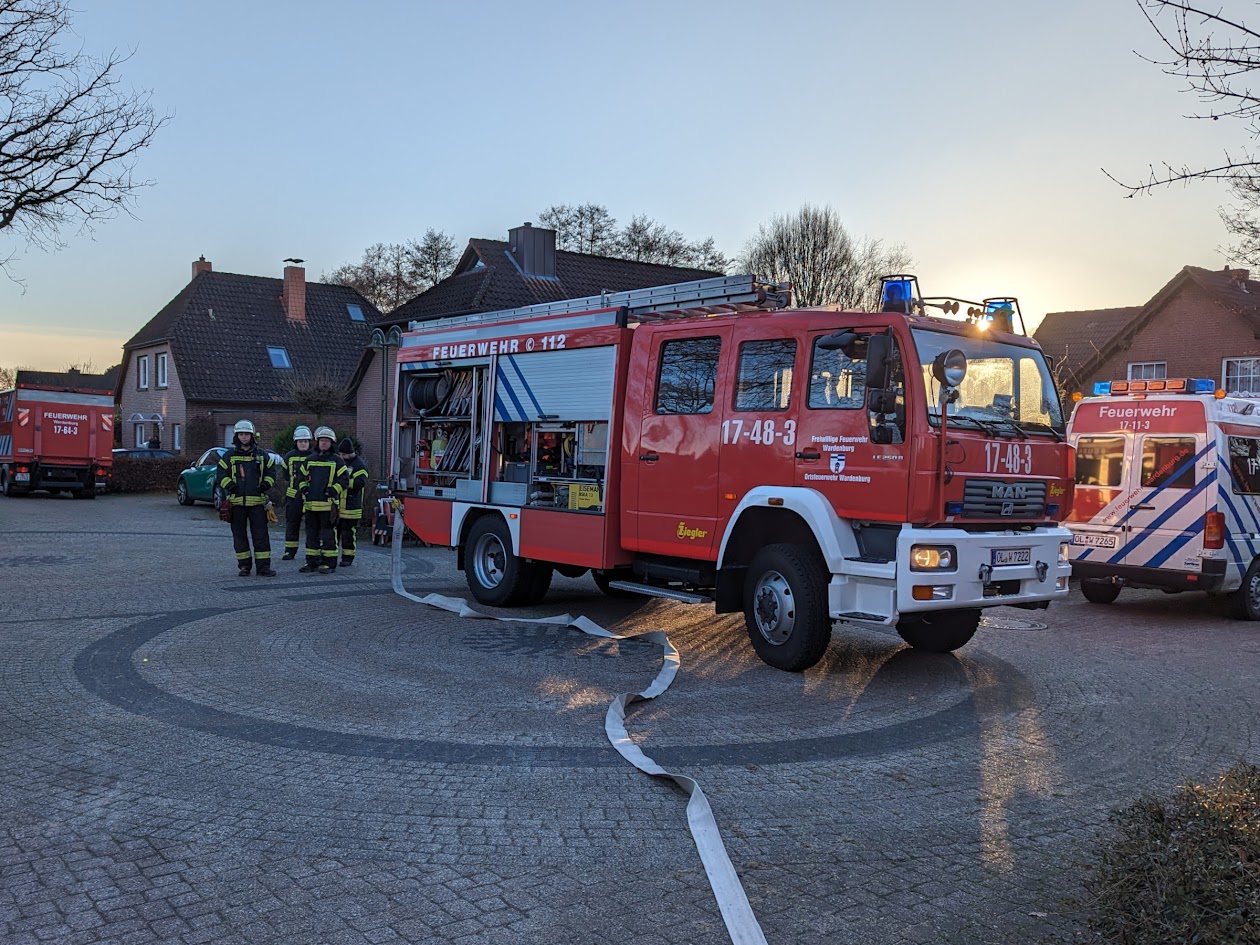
point(294, 298)
point(534, 249)
point(201, 265)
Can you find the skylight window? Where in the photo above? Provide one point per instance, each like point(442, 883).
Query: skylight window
point(279, 358)
point(356, 313)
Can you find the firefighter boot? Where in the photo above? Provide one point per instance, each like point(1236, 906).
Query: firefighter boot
point(264, 570)
point(288, 556)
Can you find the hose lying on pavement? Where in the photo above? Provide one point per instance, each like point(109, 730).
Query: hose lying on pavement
point(741, 923)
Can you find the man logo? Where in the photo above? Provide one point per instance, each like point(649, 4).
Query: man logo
point(1003, 490)
point(1008, 508)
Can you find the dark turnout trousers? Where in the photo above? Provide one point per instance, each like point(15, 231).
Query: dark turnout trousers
point(321, 540)
point(251, 522)
point(348, 532)
point(292, 525)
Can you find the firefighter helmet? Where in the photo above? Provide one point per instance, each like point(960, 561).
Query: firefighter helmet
point(325, 433)
point(302, 432)
point(243, 426)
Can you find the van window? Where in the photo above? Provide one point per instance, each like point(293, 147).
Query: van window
point(1244, 464)
point(1166, 462)
point(688, 375)
point(1099, 460)
point(765, 374)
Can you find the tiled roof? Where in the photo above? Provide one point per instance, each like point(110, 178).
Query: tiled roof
point(74, 380)
point(497, 283)
point(1072, 338)
point(221, 324)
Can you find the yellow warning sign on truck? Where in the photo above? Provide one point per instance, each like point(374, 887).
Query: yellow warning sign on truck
point(584, 495)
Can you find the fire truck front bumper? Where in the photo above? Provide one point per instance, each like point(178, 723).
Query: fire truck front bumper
point(949, 568)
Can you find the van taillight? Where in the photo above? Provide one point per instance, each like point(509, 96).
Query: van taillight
point(1214, 530)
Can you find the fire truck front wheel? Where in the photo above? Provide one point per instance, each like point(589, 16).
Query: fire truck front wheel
point(939, 631)
point(495, 575)
point(785, 606)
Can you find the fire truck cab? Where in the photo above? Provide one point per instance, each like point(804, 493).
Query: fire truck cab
point(703, 443)
point(1167, 491)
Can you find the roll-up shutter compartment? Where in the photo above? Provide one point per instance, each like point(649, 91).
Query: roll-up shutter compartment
point(555, 385)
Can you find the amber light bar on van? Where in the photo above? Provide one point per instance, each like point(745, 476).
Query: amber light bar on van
point(1169, 385)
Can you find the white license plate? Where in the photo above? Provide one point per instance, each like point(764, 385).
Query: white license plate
point(21, 477)
point(1008, 556)
point(1094, 541)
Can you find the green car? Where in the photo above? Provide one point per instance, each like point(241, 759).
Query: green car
point(197, 481)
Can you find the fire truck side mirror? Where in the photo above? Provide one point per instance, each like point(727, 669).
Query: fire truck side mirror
point(878, 361)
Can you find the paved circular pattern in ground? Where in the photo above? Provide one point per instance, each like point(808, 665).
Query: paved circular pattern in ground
point(108, 669)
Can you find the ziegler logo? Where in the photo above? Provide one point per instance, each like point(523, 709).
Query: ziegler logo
point(1002, 490)
point(693, 533)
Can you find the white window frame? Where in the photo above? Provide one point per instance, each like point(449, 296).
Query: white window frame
point(177, 436)
point(142, 372)
point(1253, 376)
point(229, 431)
point(141, 440)
point(1159, 370)
point(162, 377)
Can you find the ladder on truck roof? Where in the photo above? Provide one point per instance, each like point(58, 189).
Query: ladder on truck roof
point(723, 295)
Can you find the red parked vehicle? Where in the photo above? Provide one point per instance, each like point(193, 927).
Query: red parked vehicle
point(55, 438)
point(700, 442)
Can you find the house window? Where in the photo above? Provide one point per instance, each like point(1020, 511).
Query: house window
point(161, 369)
point(177, 437)
point(279, 358)
point(356, 313)
point(1241, 375)
point(142, 372)
point(1148, 370)
point(229, 430)
point(141, 440)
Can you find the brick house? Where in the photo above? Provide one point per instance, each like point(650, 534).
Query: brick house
point(1203, 323)
point(492, 275)
point(230, 346)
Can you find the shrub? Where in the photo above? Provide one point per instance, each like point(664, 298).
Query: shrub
point(1184, 868)
point(146, 475)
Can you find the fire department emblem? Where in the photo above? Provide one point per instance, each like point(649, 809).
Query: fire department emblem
point(24, 416)
point(837, 462)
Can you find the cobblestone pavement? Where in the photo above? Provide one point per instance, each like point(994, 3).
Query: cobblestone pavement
point(190, 756)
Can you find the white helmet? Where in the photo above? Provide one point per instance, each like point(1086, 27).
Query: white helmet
point(323, 432)
point(302, 432)
point(243, 426)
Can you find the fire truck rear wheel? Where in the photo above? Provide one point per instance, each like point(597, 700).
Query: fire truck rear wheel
point(1245, 602)
point(941, 631)
point(785, 606)
point(495, 575)
point(8, 488)
point(540, 583)
point(1100, 592)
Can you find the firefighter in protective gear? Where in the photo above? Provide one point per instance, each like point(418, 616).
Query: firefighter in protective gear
point(351, 501)
point(321, 484)
point(246, 475)
point(293, 461)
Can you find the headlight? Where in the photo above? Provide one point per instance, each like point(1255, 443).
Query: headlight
point(932, 557)
point(1063, 552)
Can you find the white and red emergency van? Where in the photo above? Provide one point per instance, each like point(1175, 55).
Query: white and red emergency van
point(702, 442)
point(1167, 491)
point(55, 438)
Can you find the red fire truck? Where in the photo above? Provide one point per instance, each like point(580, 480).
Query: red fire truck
point(56, 438)
point(702, 442)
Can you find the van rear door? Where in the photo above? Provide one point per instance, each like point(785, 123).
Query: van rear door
point(1172, 478)
point(1102, 464)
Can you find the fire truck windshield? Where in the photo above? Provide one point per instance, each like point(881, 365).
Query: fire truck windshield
point(1007, 386)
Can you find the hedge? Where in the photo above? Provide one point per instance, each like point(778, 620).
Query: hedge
point(1182, 869)
point(162, 475)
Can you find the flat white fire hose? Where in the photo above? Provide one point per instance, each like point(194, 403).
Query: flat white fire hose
point(741, 923)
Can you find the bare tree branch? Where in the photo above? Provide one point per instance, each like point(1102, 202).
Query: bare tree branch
point(393, 273)
point(69, 131)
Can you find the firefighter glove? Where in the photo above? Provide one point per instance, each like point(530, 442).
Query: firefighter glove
point(225, 512)
point(271, 514)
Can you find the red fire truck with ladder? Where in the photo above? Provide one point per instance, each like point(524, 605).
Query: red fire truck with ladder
point(56, 438)
point(705, 443)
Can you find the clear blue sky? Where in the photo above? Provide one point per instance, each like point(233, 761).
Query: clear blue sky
point(971, 130)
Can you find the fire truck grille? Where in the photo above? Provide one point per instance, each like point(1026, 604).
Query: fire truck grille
point(993, 498)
